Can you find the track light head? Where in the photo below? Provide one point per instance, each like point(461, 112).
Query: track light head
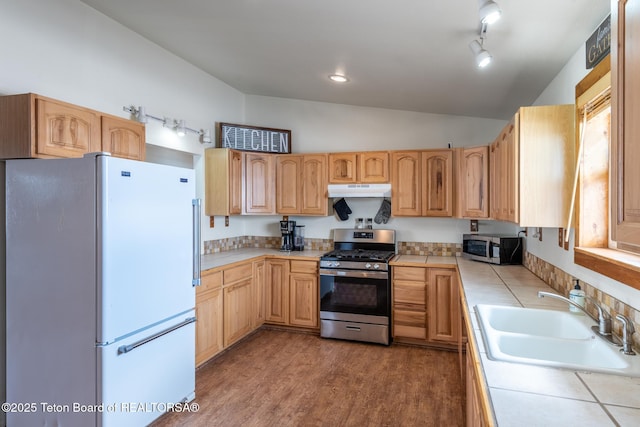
point(481, 55)
point(489, 11)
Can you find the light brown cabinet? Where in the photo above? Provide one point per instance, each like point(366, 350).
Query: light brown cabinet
point(292, 292)
point(223, 178)
point(123, 138)
point(209, 308)
point(532, 166)
point(33, 126)
point(259, 179)
point(625, 134)
point(443, 311)
point(301, 184)
point(258, 293)
point(474, 411)
point(303, 294)
point(426, 305)
point(238, 310)
point(422, 183)
point(437, 183)
point(277, 291)
point(351, 168)
point(472, 182)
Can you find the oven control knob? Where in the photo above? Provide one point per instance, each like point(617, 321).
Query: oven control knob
point(367, 265)
point(376, 266)
point(335, 264)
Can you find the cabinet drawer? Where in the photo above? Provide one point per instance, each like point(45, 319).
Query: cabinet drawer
point(304, 266)
point(417, 274)
point(411, 295)
point(239, 272)
point(409, 324)
point(209, 282)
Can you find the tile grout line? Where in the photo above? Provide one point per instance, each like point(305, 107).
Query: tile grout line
point(602, 405)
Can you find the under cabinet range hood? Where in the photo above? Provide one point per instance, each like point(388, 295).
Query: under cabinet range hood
point(359, 190)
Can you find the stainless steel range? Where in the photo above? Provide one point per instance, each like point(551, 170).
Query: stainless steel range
point(355, 286)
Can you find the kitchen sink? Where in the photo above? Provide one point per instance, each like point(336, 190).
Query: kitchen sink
point(531, 321)
point(550, 338)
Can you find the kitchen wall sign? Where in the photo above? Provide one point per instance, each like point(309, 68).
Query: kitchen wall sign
point(252, 138)
point(598, 44)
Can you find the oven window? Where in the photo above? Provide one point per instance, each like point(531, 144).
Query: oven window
point(354, 295)
point(475, 247)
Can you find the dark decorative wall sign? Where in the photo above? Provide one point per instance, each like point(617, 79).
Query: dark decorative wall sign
point(252, 138)
point(599, 44)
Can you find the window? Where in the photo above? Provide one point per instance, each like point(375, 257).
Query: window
point(596, 233)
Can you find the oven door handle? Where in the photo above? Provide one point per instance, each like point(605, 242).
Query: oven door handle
point(355, 273)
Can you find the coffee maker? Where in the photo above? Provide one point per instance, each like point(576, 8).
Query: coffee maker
point(287, 229)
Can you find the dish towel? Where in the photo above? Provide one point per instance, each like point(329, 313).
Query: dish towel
point(384, 212)
point(342, 209)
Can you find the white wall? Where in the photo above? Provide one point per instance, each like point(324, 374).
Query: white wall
point(66, 50)
point(562, 91)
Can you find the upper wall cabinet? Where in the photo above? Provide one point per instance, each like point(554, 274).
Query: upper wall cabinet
point(301, 184)
point(223, 182)
point(532, 166)
point(33, 126)
point(625, 123)
point(259, 179)
point(367, 167)
point(421, 183)
point(472, 182)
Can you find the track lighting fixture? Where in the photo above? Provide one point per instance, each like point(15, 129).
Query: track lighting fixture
point(179, 126)
point(489, 11)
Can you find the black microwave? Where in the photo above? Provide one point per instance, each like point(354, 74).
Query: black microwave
point(493, 248)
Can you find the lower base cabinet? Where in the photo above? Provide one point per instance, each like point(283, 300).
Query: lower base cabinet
point(426, 305)
point(234, 301)
point(291, 288)
point(209, 308)
point(474, 413)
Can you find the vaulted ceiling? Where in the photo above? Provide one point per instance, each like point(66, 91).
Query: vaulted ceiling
point(401, 54)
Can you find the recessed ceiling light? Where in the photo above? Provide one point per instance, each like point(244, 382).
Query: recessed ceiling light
point(338, 78)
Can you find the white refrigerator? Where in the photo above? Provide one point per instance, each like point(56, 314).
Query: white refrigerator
point(102, 255)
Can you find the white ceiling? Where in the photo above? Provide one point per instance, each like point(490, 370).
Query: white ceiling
point(399, 54)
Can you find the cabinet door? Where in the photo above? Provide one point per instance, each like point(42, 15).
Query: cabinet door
point(123, 138)
point(259, 183)
point(443, 305)
point(223, 182)
point(625, 84)
point(209, 314)
point(64, 130)
point(288, 183)
point(473, 188)
point(314, 185)
point(303, 301)
point(373, 167)
point(342, 168)
point(494, 179)
point(475, 414)
point(405, 183)
point(238, 311)
point(277, 291)
point(512, 174)
point(258, 293)
point(437, 183)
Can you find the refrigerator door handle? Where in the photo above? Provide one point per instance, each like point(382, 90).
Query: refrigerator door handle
point(196, 242)
point(127, 348)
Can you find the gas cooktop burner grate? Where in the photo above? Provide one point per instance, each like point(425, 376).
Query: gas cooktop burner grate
point(360, 254)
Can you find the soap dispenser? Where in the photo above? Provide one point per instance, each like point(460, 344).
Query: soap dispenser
point(577, 295)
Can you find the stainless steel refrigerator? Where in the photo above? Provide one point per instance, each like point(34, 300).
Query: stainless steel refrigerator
point(102, 258)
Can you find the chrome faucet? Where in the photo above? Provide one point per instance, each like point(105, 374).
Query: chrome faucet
point(604, 320)
point(627, 332)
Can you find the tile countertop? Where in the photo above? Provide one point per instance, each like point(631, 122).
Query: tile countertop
point(534, 395)
point(223, 259)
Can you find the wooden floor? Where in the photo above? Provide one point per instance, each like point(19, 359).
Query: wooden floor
point(281, 378)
